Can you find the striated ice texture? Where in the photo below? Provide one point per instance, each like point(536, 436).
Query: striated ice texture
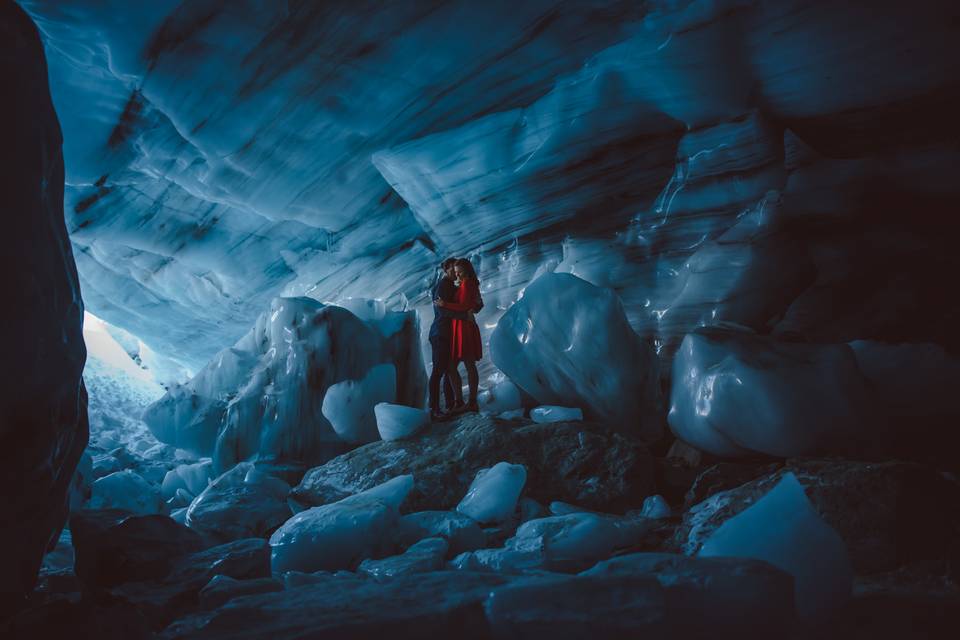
point(241, 503)
point(349, 405)
point(735, 393)
point(342, 534)
point(783, 529)
point(568, 342)
point(549, 413)
point(128, 491)
point(263, 398)
point(396, 422)
point(493, 494)
point(658, 149)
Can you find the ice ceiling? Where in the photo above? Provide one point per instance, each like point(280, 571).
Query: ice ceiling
point(788, 166)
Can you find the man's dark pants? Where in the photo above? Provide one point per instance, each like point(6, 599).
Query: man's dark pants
point(440, 346)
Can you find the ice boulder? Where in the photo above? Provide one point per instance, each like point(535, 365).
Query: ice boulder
point(783, 529)
point(393, 492)
point(127, 491)
point(348, 405)
point(566, 543)
point(426, 555)
point(192, 478)
point(342, 534)
point(736, 393)
point(546, 414)
point(655, 507)
point(396, 422)
point(500, 398)
point(461, 532)
point(334, 536)
point(493, 494)
point(241, 503)
point(265, 395)
point(567, 341)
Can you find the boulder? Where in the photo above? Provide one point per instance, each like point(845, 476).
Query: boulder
point(113, 547)
point(241, 503)
point(439, 604)
point(568, 342)
point(567, 543)
point(736, 393)
point(783, 529)
point(160, 601)
point(889, 514)
point(126, 491)
point(43, 405)
point(222, 589)
point(461, 532)
point(426, 555)
point(582, 463)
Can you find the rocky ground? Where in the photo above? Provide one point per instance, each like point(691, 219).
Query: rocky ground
point(578, 556)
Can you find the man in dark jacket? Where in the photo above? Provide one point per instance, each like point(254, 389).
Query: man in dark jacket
point(441, 333)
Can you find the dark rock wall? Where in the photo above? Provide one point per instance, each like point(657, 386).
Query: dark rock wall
point(43, 404)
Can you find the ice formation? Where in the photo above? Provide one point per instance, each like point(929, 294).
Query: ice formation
point(500, 398)
point(264, 396)
point(342, 534)
point(783, 529)
point(548, 413)
point(655, 507)
point(349, 405)
point(493, 494)
point(568, 342)
point(565, 543)
point(128, 491)
point(191, 478)
point(241, 503)
point(735, 392)
point(396, 422)
point(461, 532)
point(426, 555)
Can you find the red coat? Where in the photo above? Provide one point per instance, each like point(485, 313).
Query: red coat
point(466, 343)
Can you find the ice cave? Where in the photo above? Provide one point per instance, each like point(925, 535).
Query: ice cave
point(480, 319)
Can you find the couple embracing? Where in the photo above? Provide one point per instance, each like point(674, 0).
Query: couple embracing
point(455, 337)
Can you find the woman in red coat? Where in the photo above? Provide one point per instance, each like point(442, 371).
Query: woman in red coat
point(466, 346)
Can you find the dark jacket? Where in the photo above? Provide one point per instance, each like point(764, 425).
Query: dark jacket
point(444, 290)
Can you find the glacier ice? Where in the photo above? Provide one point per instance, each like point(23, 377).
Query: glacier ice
point(241, 503)
point(735, 392)
point(493, 494)
point(192, 478)
point(128, 491)
point(396, 422)
point(548, 413)
point(783, 529)
point(426, 555)
point(655, 507)
point(564, 543)
point(500, 398)
point(393, 492)
point(348, 405)
point(264, 396)
point(460, 531)
point(342, 534)
point(567, 341)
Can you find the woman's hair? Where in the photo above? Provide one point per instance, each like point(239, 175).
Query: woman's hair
point(467, 267)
